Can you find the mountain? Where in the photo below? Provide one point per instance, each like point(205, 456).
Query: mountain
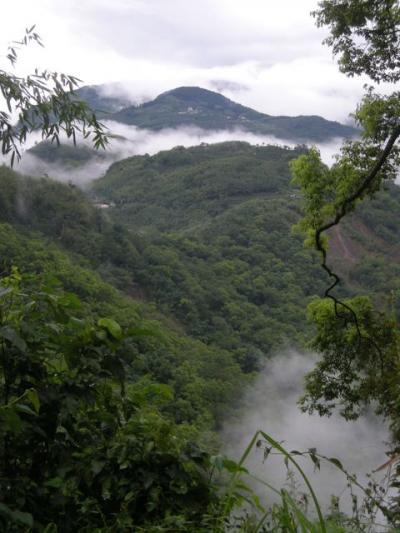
point(139, 315)
point(50, 231)
point(187, 187)
point(114, 379)
point(103, 99)
point(182, 107)
point(218, 251)
point(66, 154)
point(205, 234)
point(194, 106)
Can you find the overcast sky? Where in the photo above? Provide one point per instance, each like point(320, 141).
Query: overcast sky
point(266, 54)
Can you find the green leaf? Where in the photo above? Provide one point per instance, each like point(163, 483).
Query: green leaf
point(4, 291)
point(55, 482)
point(8, 333)
point(5, 510)
point(316, 461)
point(33, 397)
point(336, 462)
point(232, 467)
point(12, 421)
point(217, 461)
point(113, 328)
point(70, 301)
point(22, 408)
point(23, 518)
point(17, 516)
point(97, 466)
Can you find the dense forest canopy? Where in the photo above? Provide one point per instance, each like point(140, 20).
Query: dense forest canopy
point(203, 305)
point(134, 314)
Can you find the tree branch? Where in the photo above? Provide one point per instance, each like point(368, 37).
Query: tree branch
point(369, 178)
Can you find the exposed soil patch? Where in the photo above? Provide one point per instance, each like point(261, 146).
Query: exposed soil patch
point(343, 252)
point(350, 242)
point(343, 248)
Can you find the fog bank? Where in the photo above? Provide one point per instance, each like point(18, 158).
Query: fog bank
point(270, 405)
point(130, 141)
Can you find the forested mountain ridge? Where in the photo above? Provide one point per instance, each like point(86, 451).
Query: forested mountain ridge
point(190, 107)
point(161, 268)
point(208, 283)
point(185, 187)
point(205, 233)
point(220, 254)
point(50, 230)
point(113, 400)
point(135, 313)
point(184, 107)
point(194, 106)
point(103, 99)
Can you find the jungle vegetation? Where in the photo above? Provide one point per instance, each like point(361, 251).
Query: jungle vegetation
point(127, 333)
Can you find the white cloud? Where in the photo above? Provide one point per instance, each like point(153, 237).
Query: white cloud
point(138, 141)
point(271, 47)
point(271, 406)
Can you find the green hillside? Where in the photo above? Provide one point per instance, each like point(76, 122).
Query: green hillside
point(194, 106)
point(221, 284)
point(67, 155)
point(50, 230)
point(108, 405)
point(139, 327)
point(185, 187)
point(103, 99)
point(189, 107)
point(218, 251)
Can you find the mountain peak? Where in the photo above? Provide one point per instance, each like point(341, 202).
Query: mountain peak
point(191, 106)
point(195, 94)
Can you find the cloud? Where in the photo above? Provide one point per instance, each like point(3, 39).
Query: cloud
point(135, 141)
point(270, 405)
point(207, 33)
point(273, 49)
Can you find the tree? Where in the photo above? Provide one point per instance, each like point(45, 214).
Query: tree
point(359, 343)
point(365, 36)
point(43, 101)
point(82, 446)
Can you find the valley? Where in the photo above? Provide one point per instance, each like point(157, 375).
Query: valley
point(179, 280)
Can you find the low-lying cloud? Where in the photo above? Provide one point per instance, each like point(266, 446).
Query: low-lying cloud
point(132, 141)
point(271, 406)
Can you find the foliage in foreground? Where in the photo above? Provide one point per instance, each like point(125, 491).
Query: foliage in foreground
point(82, 447)
point(85, 447)
point(358, 343)
point(42, 101)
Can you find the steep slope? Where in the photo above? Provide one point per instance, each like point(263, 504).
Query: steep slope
point(182, 187)
point(50, 231)
point(205, 233)
point(193, 106)
point(205, 282)
point(219, 253)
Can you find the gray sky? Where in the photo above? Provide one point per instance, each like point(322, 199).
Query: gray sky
point(266, 54)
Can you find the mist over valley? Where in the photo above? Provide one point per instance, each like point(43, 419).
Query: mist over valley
point(199, 267)
point(186, 116)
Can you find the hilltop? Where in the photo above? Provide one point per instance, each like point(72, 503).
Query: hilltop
point(219, 253)
point(188, 107)
point(194, 106)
